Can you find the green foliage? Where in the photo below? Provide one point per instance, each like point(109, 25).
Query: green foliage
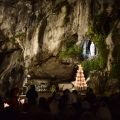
point(103, 50)
point(53, 88)
point(114, 73)
point(99, 40)
point(70, 42)
point(74, 50)
point(97, 34)
point(90, 65)
point(31, 82)
point(63, 55)
point(71, 50)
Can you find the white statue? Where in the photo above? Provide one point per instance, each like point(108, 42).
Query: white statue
point(92, 49)
point(25, 81)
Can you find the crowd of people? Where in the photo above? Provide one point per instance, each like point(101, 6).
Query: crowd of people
point(68, 106)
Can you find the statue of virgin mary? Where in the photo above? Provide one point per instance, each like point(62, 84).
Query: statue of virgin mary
point(92, 49)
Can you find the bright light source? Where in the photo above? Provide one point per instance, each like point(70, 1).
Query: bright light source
point(6, 105)
point(28, 76)
point(22, 101)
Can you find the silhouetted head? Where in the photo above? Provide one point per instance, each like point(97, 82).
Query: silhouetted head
point(87, 116)
point(15, 92)
point(69, 110)
point(42, 101)
point(53, 94)
point(90, 90)
point(57, 97)
point(75, 92)
point(103, 113)
point(32, 87)
point(66, 91)
point(85, 105)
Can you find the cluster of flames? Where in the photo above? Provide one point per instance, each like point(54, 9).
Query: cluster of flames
point(80, 81)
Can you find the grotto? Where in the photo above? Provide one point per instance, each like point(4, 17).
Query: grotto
point(42, 42)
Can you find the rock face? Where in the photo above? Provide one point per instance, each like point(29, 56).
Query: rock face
point(32, 33)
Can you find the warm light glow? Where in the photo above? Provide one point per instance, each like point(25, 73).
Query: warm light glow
point(80, 81)
point(28, 76)
point(6, 105)
point(22, 101)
